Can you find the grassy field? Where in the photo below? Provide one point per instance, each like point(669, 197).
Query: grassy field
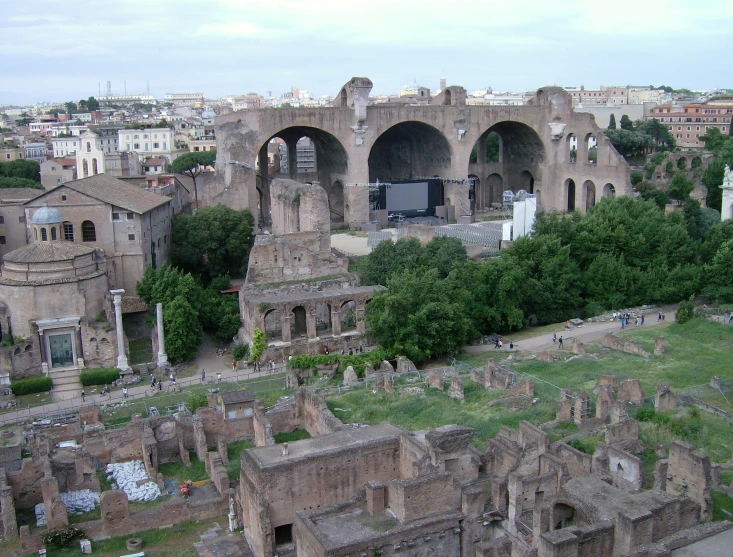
point(171, 542)
point(179, 472)
point(234, 450)
point(433, 407)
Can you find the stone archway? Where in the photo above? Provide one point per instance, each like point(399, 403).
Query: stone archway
point(336, 201)
point(494, 188)
point(570, 194)
point(409, 150)
point(609, 191)
point(299, 322)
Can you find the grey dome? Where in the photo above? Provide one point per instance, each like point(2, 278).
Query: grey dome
point(46, 215)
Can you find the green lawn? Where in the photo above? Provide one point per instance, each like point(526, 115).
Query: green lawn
point(234, 450)
point(179, 472)
point(171, 542)
point(291, 436)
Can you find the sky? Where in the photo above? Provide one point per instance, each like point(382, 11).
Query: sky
point(59, 50)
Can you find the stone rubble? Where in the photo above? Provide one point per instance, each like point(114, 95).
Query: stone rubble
point(76, 502)
point(127, 476)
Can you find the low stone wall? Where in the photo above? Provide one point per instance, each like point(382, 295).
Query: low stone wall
point(314, 414)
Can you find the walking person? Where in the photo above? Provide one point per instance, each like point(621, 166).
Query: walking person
point(124, 392)
point(642, 319)
point(83, 397)
point(559, 342)
point(203, 376)
point(554, 337)
point(660, 317)
point(160, 385)
point(234, 365)
point(496, 344)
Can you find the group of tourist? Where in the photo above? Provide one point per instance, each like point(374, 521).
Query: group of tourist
point(625, 318)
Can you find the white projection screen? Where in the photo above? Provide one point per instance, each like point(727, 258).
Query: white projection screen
point(412, 196)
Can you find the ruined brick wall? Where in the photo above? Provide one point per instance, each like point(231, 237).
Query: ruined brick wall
point(217, 472)
point(415, 498)
point(527, 491)
point(283, 420)
point(216, 425)
point(312, 411)
point(578, 463)
point(628, 430)
point(413, 458)
point(26, 483)
point(262, 427)
point(625, 469)
point(690, 473)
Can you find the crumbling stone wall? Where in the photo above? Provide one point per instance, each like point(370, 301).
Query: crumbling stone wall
point(576, 462)
point(628, 430)
point(7, 509)
point(612, 341)
point(689, 470)
point(630, 391)
point(415, 498)
point(26, 482)
point(314, 414)
point(262, 427)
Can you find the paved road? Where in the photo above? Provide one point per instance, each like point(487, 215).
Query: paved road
point(585, 333)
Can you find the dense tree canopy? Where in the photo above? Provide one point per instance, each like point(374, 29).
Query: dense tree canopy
point(612, 122)
point(624, 252)
point(19, 183)
point(30, 170)
point(214, 241)
point(192, 164)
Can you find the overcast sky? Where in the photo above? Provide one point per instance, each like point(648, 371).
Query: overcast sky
point(63, 49)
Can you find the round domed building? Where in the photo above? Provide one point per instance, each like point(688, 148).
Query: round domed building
point(53, 294)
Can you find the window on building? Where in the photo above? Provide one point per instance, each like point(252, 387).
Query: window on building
point(128, 147)
point(2, 240)
point(115, 216)
point(136, 136)
point(2, 219)
point(44, 235)
point(158, 242)
point(145, 136)
point(136, 145)
point(21, 219)
point(196, 149)
point(88, 231)
point(156, 145)
point(68, 232)
point(53, 233)
point(130, 216)
point(146, 147)
point(165, 146)
point(131, 237)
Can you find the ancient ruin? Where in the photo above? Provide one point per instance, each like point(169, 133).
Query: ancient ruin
point(357, 143)
point(298, 292)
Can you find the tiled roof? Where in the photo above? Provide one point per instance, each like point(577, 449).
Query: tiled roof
point(155, 161)
point(117, 193)
point(19, 193)
point(46, 252)
point(235, 397)
point(133, 304)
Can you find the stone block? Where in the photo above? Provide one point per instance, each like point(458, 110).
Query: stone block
point(455, 390)
point(435, 379)
point(659, 346)
point(350, 377)
point(477, 376)
point(618, 412)
point(545, 356)
point(379, 382)
point(386, 367)
point(388, 384)
point(523, 388)
point(630, 391)
point(405, 366)
point(577, 347)
point(581, 410)
point(606, 382)
point(604, 403)
point(665, 398)
point(115, 510)
point(368, 370)
point(565, 408)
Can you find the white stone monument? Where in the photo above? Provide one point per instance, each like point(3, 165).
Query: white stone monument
point(726, 211)
point(162, 356)
point(121, 356)
point(233, 524)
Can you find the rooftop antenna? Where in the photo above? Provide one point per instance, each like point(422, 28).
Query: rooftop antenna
point(109, 87)
point(148, 85)
point(99, 87)
point(125, 82)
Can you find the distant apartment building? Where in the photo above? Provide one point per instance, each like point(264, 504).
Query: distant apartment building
point(66, 129)
point(149, 142)
point(415, 90)
point(120, 164)
point(109, 134)
point(184, 99)
point(123, 99)
point(36, 151)
point(614, 95)
point(250, 101)
point(40, 128)
point(688, 121)
point(55, 172)
point(196, 145)
point(11, 154)
point(65, 146)
point(154, 165)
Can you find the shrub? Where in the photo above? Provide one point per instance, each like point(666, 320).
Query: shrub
point(100, 376)
point(636, 177)
point(240, 352)
point(30, 385)
point(685, 311)
point(259, 344)
point(593, 309)
point(357, 361)
point(62, 537)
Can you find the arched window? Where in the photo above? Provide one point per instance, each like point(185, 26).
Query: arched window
point(89, 147)
point(35, 233)
point(85, 167)
point(95, 169)
point(68, 232)
point(44, 235)
point(88, 232)
point(53, 233)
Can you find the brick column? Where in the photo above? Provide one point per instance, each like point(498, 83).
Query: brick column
point(310, 324)
point(285, 324)
point(335, 323)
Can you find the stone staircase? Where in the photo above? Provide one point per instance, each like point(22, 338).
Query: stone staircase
point(66, 384)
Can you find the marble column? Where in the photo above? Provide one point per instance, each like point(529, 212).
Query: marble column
point(162, 356)
point(121, 356)
point(335, 323)
point(79, 348)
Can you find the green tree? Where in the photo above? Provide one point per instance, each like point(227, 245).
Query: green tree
point(659, 133)
point(626, 123)
point(92, 103)
point(70, 107)
point(182, 329)
point(680, 188)
point(82, 104)
point(720, 273)
point(214, 241)
point(390, 257)
point(714, 140)
point(686, 310)
point(636, 177)
point(30, 170)
point(259, 344)
point(629, 143)
point(443, 253)
point(659, 197)
point(19, 183)
point(192, 164)
point(612, 122)
point(420, 316)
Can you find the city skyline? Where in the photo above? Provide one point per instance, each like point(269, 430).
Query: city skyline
point(237, 47)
